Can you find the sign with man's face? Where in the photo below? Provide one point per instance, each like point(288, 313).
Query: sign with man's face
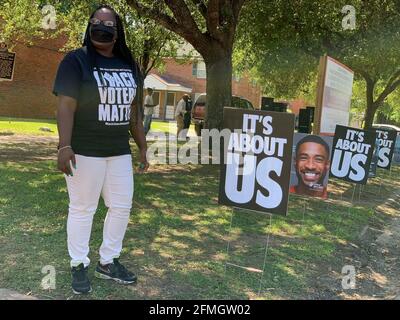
point(352, 154)
point(311, 163)
point(255, 172)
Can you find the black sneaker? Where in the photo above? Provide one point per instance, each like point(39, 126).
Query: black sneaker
point(80, 280)
point(115, 271)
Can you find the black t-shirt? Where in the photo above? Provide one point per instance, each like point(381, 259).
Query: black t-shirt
point(101, 121)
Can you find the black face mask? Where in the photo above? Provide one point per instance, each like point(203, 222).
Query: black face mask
point(100, 33)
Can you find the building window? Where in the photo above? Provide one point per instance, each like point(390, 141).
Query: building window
point(254, 83)
point(199, 69)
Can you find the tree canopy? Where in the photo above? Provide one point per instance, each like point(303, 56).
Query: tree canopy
point(277, 39)
point(149, 42)
point(210, 27)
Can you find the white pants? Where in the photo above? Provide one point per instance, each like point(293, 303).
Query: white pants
point(112, 178)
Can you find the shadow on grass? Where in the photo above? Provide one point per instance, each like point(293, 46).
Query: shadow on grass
point(45, 121)
point(23, 152)
point(177, 237)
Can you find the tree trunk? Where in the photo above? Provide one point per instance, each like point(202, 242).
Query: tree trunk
point(371, 107)
point(140, 94)
point(369, 116)
point(219, 89)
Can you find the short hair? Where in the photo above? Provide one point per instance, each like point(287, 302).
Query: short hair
point(314, 139)
point(149, 89)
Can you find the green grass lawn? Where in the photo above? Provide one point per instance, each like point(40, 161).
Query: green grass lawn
point(27, 126)
point(32, 126)
point(177, 236)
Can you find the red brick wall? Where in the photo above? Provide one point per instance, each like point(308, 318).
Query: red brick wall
point(244, 88)
point(298, 104)
point(29, 95)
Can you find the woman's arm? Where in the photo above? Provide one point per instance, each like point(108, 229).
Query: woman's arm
point(137, 131)
point(65, 121)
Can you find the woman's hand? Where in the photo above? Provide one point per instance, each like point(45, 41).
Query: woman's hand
point(137, 131)
point(144, 165)
point(64, 159)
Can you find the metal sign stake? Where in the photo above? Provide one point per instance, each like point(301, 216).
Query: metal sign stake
point(247, 268)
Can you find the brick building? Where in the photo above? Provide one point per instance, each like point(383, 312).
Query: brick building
point(178, 79)
point(29, 94)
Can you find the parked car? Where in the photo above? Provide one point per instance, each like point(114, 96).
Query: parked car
point(386, 127)
point(199, 107)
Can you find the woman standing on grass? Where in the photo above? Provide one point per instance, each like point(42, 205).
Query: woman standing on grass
point(96, 86)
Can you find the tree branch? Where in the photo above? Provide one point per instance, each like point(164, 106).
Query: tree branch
point(201, 7)
point(229, 21)
point(151, 66)
point(390, 87)
point(182, 14)
point(363, 73)
point(237, 6)
point(213, 18)
point(164, 19)
point(190, 32)
point(153, 62)
point(393, 77)
point(222, 20)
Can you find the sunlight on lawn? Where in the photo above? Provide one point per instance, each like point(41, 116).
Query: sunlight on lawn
point(28, 126)
point(177, 236)
point(32, 126)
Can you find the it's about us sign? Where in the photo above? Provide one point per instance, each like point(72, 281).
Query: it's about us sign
point(255, 173)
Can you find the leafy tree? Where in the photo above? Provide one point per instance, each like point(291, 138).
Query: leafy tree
point(20, 20)
point(390, 112)
point(281, 33)
point(149, 42)
point(209, 26)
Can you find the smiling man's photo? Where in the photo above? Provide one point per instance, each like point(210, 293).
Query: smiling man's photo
point(311, 162)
